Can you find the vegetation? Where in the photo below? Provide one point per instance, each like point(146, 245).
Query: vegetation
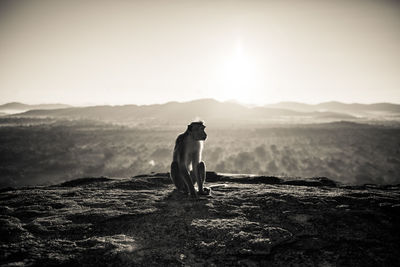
point(41, 151)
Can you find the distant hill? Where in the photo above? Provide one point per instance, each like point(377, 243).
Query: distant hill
point(209, 110)
point(333, 106)
point(16, 107)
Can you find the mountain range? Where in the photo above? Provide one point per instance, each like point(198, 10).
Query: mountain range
point(17, 107)
point(335, 106)
point(214, 111)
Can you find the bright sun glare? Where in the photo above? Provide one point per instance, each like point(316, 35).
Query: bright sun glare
point(239, 77)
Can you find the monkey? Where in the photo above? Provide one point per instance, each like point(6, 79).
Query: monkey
point(187, 166)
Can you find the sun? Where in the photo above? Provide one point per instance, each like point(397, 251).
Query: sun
point(238, 77)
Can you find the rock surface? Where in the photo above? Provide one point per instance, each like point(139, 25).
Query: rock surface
point(246, 221)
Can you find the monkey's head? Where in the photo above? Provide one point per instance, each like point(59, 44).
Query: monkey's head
point(196, 129)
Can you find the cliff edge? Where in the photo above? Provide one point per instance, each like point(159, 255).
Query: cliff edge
point(246, 221)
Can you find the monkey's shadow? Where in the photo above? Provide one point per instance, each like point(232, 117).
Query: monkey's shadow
point(184, 206)
point(176, 195)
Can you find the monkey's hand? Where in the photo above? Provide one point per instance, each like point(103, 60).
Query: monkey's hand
point(206, 191)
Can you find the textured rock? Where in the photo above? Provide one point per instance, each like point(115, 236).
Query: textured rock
point(246, 221)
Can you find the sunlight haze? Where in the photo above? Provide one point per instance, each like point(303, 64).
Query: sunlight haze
point(144, 52)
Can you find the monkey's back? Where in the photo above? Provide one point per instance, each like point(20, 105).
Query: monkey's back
point(178, 146)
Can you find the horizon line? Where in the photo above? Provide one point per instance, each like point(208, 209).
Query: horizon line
point(88, 104)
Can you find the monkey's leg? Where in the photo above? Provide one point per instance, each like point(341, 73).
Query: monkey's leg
point(188, 181)
point(177, 178)
point(201, 174)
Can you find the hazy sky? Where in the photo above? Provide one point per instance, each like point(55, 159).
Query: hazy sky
point(118, 52)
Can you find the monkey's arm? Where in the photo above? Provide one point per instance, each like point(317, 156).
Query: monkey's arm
point(195, 164)
point(183, 168)
point(188, 181)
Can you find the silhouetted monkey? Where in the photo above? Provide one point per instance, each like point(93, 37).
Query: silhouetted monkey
point(187, 167)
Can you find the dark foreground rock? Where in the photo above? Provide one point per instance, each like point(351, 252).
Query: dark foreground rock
point(247, 221)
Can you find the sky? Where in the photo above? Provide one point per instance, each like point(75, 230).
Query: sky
point(145, 52)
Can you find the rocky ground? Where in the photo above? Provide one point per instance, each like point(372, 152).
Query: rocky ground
point(246, 221)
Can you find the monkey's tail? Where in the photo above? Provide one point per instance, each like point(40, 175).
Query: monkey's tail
point(217, 185)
